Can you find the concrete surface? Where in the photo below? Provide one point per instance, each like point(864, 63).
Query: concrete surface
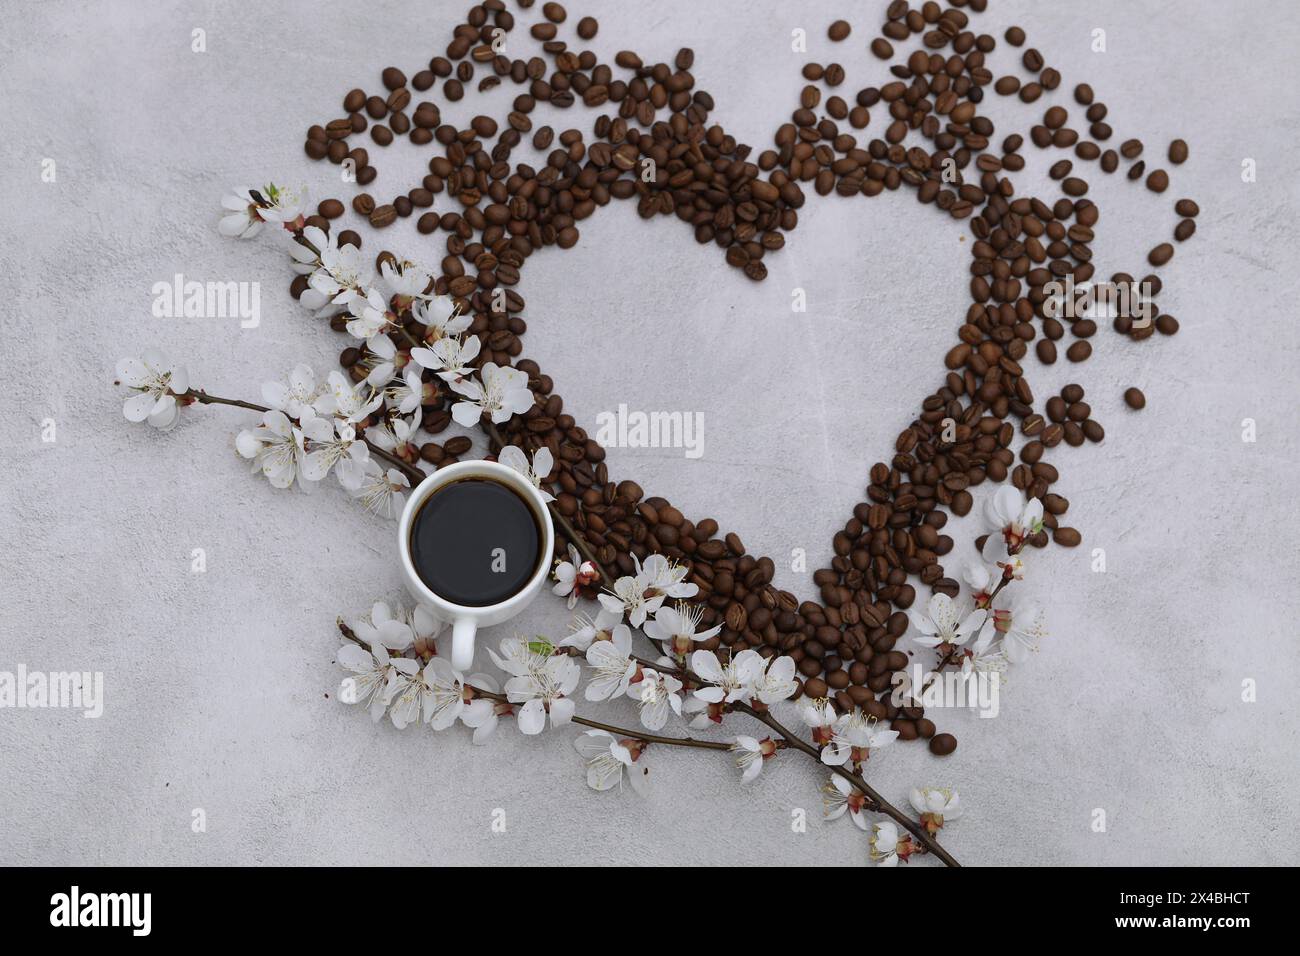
point(219, 686)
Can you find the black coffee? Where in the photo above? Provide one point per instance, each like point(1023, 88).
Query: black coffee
point(475, 542)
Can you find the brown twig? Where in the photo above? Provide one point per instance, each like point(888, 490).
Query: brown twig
point(413, 474)
point(878, 803)
point(640, 735)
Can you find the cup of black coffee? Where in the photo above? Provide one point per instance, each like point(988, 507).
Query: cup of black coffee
point(475, 540)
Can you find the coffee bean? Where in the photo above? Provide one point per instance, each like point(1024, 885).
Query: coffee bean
point(942, 745)
point(1067, 537)
point(1178, 151)
point(882, 48)
point(363, 204)
point(1187, 207)
point(383, 216)
point(1079, 351)
point(1161, 254)
point(330, 208)
point(393, 78)
point(839, 30)
point(1185, 229)
point(458, 445)
point(587, 27)
point(1134, 398)
point(1158, 181)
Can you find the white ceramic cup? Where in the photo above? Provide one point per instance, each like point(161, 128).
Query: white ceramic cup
point(464, 620)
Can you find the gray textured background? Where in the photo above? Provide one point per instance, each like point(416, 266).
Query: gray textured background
point(217, 683)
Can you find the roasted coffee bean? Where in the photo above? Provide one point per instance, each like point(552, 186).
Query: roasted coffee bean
point(363, 204)
point(1187, 207)
point(1079, 351)
point(1178, 151)
point(942, 745)
point(1067, 537)
point(383, 216)
point(882, 48)
point(587, 27)
point(1185, 229)
point(393, 78)
point(839, 30)
point(1134, 398)
point(330, 208)
point(1161, 254)
point(1158, 181)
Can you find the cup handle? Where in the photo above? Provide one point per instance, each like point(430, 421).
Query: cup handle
point(462, 643)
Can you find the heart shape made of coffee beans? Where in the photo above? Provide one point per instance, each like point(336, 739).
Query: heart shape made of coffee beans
point(654, 144)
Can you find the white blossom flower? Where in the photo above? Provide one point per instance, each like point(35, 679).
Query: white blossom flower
point(242, 220)
point(640, 595)
point(439, 317)
point(370, 314)
point(886, 846)
point(343, 271)
point(499, 393)
point(482, 714)
point(300, 391)
point(545, 691)
point(985, 655)
point(350, 403)
point(1020, 624)
point(411, 697)
point(157, 382)
point(935, 805)
point(703, 712)
point(572, 575)
point(521, 657)
point(405, 281)
point(980, 581)
point(381, 358)
point(409, 393)
point(608, 757)
point(275, 448)
point(676, 629)
point(941, 625)
point(279, 203)
point(612, 664)
point(384, 629)
point(374, 679)
point(727, 683)
point(333, 443)
point(820, 716)
point(838, 795)
point(856, 735)
point(663, 579)
point(777, 683)
point(447, 693)
point(656, 695)
point(381, 492)
point(512, 456)
point(583, 629)
point(751, 754)
point(1013, 521)
point(394, 434)
point(450, 357)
